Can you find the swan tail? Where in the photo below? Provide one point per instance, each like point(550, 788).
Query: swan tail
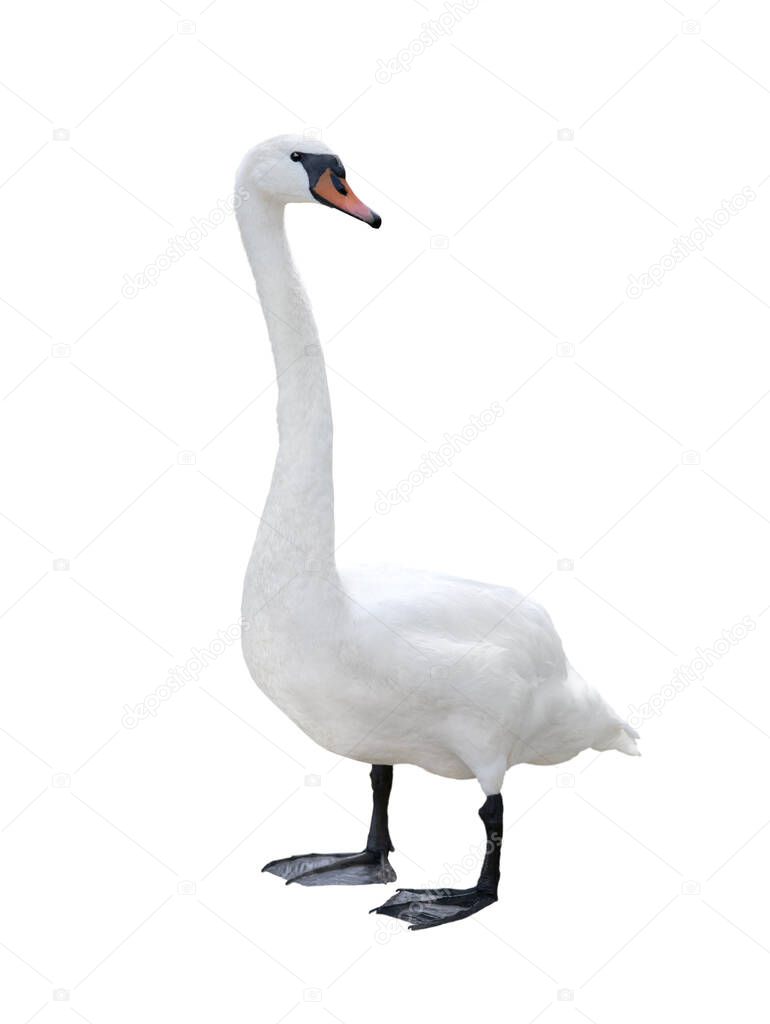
point(611, 732)
point(623, 739)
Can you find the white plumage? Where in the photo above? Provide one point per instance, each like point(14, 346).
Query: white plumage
point(385, 666)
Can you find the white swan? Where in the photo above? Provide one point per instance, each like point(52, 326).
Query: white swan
point(463, 679)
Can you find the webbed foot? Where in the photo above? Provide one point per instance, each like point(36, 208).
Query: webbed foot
point(365, 868)
point(427, 908)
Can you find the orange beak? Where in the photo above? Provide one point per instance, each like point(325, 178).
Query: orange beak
point(333, 191)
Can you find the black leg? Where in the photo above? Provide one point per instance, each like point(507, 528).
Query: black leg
point(371, 865)
point(426, 908)
point(492, 816)
point(382, 782)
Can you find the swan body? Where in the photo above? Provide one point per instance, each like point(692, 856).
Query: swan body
point(463, 679)
point(382, 665)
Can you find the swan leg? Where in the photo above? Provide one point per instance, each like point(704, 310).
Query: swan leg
point(426, 908)
point(364, 868)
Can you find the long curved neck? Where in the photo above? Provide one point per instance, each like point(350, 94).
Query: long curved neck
point(297, 528)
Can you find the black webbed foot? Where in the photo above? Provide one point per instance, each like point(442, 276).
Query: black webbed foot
point(365, 868)
point(427, 908)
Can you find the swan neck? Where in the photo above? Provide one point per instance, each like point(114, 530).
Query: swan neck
point(298, 519)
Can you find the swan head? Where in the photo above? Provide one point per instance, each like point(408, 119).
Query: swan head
point(294, 169)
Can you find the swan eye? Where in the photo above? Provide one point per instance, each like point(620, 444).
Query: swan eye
point(295, 156)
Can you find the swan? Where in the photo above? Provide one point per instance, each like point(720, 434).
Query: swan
point(383, 666)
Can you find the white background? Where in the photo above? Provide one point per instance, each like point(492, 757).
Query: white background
point(138, 443)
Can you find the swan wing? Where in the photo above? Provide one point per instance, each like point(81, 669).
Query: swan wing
point(450, 617)
point(487, 645)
